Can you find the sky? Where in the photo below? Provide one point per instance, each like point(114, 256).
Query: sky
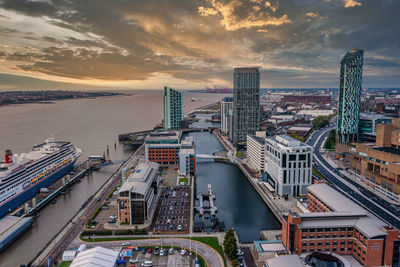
point(191, 44)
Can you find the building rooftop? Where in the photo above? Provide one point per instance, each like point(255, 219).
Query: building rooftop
point(163, 137)
point(140, 180)
point(270, 246)
point(390, 150)
point(245, 70)
point(346, 213)
point(285, 261)
point(285, 141)
point(95, 257)
point(258, 139)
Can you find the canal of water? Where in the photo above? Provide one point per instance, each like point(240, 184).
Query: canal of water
point(239, 205)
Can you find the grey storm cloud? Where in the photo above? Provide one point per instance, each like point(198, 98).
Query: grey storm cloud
point(295, 42)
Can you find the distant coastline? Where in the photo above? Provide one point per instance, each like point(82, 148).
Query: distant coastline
point(49, 97)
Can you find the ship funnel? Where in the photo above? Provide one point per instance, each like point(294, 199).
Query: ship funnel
point(8, 156)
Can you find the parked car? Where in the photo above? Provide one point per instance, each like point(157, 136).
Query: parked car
point(126, 243)
point(144, 251)
point(179, 227)
point(239, 252)
point(149, 250)
point(166, 252)
point(133, 260)
point(171, 251)
point(183, 252)
point(161, 252)
point(156, 250)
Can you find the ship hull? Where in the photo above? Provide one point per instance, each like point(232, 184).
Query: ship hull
point(30, 192)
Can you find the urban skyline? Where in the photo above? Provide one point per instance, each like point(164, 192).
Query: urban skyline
point(191, 45)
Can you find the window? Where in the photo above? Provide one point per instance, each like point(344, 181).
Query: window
point(292, 157)
point(319, 244)
point(302, 157)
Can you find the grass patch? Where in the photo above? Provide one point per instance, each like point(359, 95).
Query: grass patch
point(330, 142)
point(317, 173)
point(184, 180)
point(65, 263)
point(297, 137)
point(240, 154)
point(212, 242)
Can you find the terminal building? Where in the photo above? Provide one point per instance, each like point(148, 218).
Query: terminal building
point(256, 151)
point(288, 165)
point(167, 148)
point(137, 196)
point(336, 224)
point(378, 163)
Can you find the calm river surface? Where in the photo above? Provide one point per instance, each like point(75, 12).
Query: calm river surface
point(92, 124)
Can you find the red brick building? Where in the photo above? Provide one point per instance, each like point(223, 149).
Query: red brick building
point(337, 224)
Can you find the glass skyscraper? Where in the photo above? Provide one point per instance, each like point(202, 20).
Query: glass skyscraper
point(246, 103)
point(350, 96)
point(173, 108)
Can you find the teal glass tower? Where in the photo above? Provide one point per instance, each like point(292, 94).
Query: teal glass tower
point(246, 103)
point(350, 96)
point(173, 108)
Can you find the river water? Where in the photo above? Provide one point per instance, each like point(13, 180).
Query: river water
point(92, 124)
point(239, 205)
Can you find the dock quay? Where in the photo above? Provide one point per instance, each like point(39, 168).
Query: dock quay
point(209, 197)
point(267, 197)
point(51, 253)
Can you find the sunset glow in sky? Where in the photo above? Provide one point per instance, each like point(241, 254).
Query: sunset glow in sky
point(129, 44)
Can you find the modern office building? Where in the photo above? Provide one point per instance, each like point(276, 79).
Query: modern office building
point(226, 114)
point(349, 96)
point(368, 123)
point(378, 163)
point(187, 157)
point(256, 151)
point(167, 148)
point(173, 108)
point(288, 165)
point(337, 224)
point(246, 103)
point(137, 196)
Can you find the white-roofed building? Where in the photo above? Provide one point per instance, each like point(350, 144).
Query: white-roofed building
point(96, 257)
point(136, 197)
point(288, 165)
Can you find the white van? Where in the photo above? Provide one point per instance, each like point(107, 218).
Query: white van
point(147, 264)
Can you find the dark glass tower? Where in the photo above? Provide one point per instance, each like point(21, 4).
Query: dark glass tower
point(246, 103)
point(350, 96)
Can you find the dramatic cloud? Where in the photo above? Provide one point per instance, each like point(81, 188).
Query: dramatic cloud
point(194, 43)
point(237, 14)
point(351, 3)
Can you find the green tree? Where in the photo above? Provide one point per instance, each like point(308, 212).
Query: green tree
point(230, 245)
point(320, 121)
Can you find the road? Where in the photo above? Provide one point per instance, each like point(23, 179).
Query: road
point(210, 255)
point(362, 196)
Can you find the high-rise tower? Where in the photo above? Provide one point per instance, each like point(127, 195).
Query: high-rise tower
point(246, 103)
point(350, 96)
point(173, 108)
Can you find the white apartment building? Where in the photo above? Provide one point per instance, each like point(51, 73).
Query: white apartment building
point(226, 115)
point(288, 164)
point(256, 151)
